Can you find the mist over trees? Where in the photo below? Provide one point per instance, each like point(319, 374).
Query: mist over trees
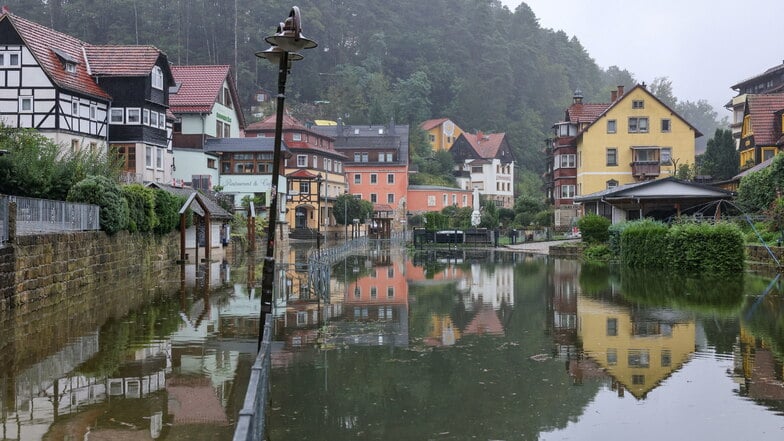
point(475, 61)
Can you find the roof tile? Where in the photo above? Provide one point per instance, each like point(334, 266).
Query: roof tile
point(762, 109)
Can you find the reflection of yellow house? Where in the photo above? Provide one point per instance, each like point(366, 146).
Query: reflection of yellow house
point(639, 352)
point(443, 332)
point(441, 133)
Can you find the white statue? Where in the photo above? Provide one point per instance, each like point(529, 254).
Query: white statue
point(476, 218)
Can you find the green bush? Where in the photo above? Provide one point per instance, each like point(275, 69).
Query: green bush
point(141, 208)
point(644, 244)
point(167, 210)
point(597, 253)
point(705, 248)
point(594, 228)
point(105, 193)
point(614, 241)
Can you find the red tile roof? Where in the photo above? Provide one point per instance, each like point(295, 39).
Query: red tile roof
point(587, 112)
point(431, 123)
point(762, 109)
point(301, 174)
point(486, 145)
point(122, 61)
point(43, 42)
point(200, 87)
point(268, 123)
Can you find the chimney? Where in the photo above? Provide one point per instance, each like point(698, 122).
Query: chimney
point(613, 95)
point(479, 135)
point(620, 91)
point(5, 10)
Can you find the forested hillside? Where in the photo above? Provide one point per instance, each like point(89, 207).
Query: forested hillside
point(475, 61)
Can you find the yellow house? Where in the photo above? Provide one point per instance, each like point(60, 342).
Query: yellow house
point(638, 352)
point(637, 138)
point(441, 133)
point(760, 135)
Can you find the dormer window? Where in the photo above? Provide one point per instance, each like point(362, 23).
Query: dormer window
point(70, 67)
point(157, 78)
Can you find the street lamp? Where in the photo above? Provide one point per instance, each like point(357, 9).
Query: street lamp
point(345, 214)
point(319, 180)
point(287, 39)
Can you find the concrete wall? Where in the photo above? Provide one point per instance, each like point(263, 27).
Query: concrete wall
point(37, 267)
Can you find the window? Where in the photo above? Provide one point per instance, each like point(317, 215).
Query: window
point(9, 59)
point(390, 178)
point(75, 108)
point(646, 155)
point(445, 200)
point(304, 187)
point(159, 159)
point(93, 111)
point(639, 358)
point(465, 200)
point(638, 125)
point(328, 165)
point(373, 178)
point(431, 138)
point(612, 183)
point(153, 118)
point(666, 358)
point(665, 126)
point(315, 161)
point(431, 201)
point(211, 163)
point(373, 292)
point(357, 178)
point(357, 157)
point(612, 156)
point(612, 327)
point(296, 136)
point(133, 116)
point(218, 129)
point(390, 292)
point(454, 199)
point(117, 116)
point(157, 78)
point(162, 122)
point(302, 160)
point(567, 191)
point(612, 357)
point(146, 117)
point(25, 104)
point(638, 104)
point(148, 157)
point(568, 161)
point(666, 155)
point(70, 67)
point(638, 380)
point(74, 145)
point(390, 198)
point(364, 157)
point(373, 198)
point(611, 126)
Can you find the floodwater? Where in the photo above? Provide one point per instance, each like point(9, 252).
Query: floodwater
point(501, 346)
point(448, 345)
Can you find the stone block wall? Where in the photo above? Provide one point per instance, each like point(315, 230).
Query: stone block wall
point(50, 264)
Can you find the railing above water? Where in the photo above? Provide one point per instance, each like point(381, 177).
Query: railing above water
point(251, 421)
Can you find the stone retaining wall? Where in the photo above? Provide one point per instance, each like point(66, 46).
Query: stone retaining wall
point(50, 264)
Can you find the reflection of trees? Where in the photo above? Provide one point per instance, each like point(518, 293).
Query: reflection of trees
point(350, 269)
point(765, 319)
point(711, 295)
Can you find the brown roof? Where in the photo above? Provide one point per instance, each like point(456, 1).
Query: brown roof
point(301, 174)
point(486, 145)
point(199, 87)
point(121, 61)
point(587, 112)
point(431, 123)
point(268, 123)
point(762, 109)
point(44, 43)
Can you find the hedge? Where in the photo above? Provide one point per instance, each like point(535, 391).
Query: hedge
point(105, 193)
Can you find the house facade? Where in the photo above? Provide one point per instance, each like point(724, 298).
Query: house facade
point(485, 161)
point(376, 165)
point(205, 105)
point(441, 133)
point(426, 198)
point(634, 138)
point(770, 81)
point(101, 98)
point(314, 172)
point(761, 131)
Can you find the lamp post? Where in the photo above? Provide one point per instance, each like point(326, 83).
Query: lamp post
point(284, 45)
point(319, 180)
point(345, 214)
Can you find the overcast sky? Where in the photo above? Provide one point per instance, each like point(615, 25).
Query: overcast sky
point(703, 46)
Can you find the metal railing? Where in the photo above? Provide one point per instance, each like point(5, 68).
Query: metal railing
point(251, 422)
point(34, 216)
point(4, 201)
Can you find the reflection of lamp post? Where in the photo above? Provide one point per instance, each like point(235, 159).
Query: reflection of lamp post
point(345, 213)
point(319, 180)
point(287, 39)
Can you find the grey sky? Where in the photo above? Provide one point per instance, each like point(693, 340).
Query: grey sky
point(703, 46)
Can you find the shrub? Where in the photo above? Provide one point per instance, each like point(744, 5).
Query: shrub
point(594, 228)
point(644, 244)
point(705, 248)
point(614, 241)
point(105, 193)
point(167, 210)
point(597, 253)
point(141, 208)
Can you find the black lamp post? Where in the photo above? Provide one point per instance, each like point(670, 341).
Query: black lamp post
point(285, 43)
point(319, 180)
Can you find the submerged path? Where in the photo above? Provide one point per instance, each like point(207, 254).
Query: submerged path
point(538, 247)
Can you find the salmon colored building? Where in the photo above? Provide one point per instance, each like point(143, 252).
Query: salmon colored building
point(425, 198)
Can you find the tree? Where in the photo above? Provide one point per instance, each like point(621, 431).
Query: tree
point(720, 160)
point(347, 208)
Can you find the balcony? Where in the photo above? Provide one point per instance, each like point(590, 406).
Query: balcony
point(646, 169)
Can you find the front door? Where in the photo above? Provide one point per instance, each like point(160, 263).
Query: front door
point(301, 217)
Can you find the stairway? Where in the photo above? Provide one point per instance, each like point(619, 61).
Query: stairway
point(304, 234)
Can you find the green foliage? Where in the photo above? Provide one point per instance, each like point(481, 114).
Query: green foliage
point(141, 208)
point(614, 240)
point(490, 215)
point(720, 160)
point(30, 164)
point(597, 253)
point(759, 189)
point(644, 244)
point(436, 221)
point(529, 211)
point(594, 228)
point(347, 208)
point(167, 211)
point(105, 193)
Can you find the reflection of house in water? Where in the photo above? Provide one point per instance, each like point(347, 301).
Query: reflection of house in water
point(638, 349)
point(563, 307)
point(758, 372)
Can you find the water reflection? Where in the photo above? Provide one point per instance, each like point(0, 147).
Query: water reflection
point(163, 357)
point(494, 345)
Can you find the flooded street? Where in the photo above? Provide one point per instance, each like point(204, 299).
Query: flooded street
point(448, 345)
point(502, 346)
